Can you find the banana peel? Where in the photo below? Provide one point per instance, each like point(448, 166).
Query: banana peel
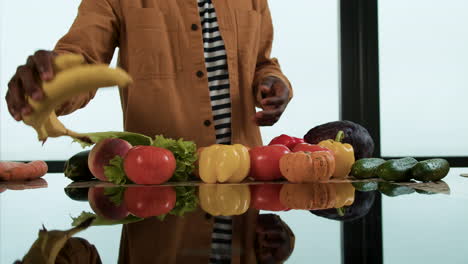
point(73, 77)
point(49, 243)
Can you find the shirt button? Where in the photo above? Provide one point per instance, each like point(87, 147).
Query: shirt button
point(194, 27)
point(200, 74)
point(207, 123)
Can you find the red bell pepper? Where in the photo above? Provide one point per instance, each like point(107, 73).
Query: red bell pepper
point(286, 140)
point(306, 147)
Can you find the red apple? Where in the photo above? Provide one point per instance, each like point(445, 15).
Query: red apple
point(264, 162)
point(103, 152)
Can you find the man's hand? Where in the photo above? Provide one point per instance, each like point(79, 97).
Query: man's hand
point(273, 242)
point(275, 94)
point(27, 82)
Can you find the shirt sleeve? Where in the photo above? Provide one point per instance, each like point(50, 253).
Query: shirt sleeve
point(94, 34)
point(267, 66)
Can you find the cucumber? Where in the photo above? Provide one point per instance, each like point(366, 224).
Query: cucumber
point(77, 194)
point(76, 168)
point(365, 186)
point(430, 170)
point(366, 168)
point(393, 190)
point(397, 169)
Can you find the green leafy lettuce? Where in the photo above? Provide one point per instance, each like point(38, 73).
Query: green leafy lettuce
point(186, 201)
point(185, 153)
point(115, 171)
point(115, 194)
point(101, 221)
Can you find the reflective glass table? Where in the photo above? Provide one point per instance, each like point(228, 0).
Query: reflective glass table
point(302, 223)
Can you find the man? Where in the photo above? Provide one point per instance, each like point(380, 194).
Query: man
point(199, 67)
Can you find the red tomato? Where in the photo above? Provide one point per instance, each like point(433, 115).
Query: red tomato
point(286, 140)
point(150, 201)
point(149, 165)
point(266, 197)
point(264, 162)
point(310, 148)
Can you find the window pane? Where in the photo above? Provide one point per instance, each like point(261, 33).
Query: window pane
point(307, 46)
point(423, 80)
point(25, 27)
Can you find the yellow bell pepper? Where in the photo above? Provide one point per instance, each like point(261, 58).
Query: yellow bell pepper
point(344, 155)
point(344, 194)
point(224, 163)
point(225, 200)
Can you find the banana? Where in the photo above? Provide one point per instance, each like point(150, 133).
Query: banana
point(72, 79)
point(49, 243)
point(67, 61)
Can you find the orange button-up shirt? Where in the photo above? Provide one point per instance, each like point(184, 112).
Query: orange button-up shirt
point(161, 46)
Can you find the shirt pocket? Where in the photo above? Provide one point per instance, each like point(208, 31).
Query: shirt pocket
point(153, 44)
point(248, 24)
point(248, 29)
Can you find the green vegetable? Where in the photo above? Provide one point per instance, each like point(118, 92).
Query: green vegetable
point(76, 168)
point(133, 138)
point(115, 171)
point(397, 169)
point(366, 168)
point(185, 153)
point(393, 190)
point(100, 221)
point(366, 186)
point(430, 170)
point(77, 194)
point(115, 194)
point(186, 201)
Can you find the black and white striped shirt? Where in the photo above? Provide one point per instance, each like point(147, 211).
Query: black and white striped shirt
point(218, 82)
point(217, 68)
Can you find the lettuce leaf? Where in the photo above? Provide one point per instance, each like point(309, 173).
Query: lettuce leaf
point(186, 201)
point(135, 139)
point(115, 194)
point(185, 153)
point(100, 221)
point(115, 172)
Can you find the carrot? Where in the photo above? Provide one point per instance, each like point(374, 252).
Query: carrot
point(18, 171)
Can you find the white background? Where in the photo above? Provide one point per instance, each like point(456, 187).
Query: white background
point(423, 77)
point(308, 54)
point(27, 26)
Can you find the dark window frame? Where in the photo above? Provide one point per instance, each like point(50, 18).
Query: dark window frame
point(361, 239)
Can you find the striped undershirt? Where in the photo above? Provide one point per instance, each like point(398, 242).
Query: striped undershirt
point(218, 83)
